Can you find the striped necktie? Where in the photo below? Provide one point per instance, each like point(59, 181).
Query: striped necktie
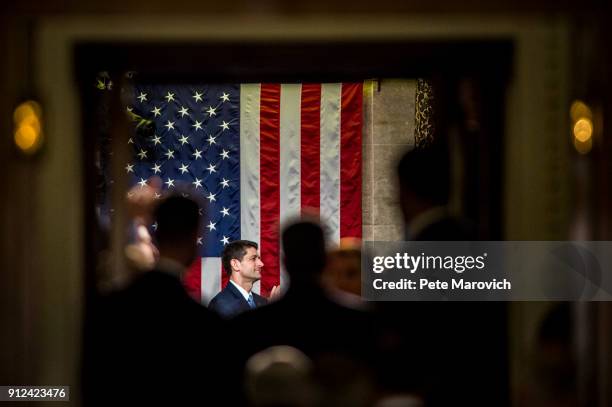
point(251, 301)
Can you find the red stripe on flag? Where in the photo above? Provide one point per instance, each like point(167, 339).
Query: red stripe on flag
point(224, 276)
point(269, 134)
point(310, 149)
point(192, 280)
point(350, 160)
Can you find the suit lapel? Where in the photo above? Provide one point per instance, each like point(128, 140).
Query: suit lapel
point(244, 305)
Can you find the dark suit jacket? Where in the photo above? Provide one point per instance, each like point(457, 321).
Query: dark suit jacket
point(309, 320)
point(153, 343)
point(230, 302)
point(482, 337)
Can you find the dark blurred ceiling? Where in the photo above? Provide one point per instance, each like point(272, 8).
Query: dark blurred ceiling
point(302, 6)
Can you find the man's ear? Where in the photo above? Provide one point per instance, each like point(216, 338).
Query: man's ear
point(235, 263)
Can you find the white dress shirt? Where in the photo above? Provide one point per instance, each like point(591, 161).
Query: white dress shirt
point(244, 292)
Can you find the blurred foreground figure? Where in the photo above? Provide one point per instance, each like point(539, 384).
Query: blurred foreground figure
point(153, 342)
point(424, 191)
point(280, 376)
point(342, 275)
point(141, 253)
point(306, 318)
point(343, 268)
point(552, 376)
point(450, 353)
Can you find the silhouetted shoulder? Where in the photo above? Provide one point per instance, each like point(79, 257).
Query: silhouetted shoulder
point(449, 228)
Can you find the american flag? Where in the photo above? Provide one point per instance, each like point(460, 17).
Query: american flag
point(258, 154)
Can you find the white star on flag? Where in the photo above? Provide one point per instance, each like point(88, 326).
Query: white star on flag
point(130, 141)
point(248, 185)
point(227, 159)
point(129, 168)
point(142, 182)
point(156, 195)
point(142, 154)
point(142, 97)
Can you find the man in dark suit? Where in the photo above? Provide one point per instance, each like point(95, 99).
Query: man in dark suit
point(153, 342)
point(335, 337)
point(242, 263)
point(306, 317)
point(424, 191)
point(424, 176)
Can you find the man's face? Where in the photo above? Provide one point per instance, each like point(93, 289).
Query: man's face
point(250, 265)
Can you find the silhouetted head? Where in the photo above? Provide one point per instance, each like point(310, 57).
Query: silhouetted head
point(424, 180)
point(304, 251)
point(343, 268)
point(177, 220)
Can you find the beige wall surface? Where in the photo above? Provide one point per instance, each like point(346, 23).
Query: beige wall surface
point(389, 112)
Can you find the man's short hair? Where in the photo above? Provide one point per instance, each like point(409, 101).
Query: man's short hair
point(235, 250)
point(177, 218)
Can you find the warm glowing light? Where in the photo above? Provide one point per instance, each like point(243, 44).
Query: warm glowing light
point(583, 129)
point(28, 128)
point(580, 110)
point(583, 147)
point(25, 137)
point(32, 121)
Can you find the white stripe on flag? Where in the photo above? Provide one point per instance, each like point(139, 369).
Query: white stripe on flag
point(210, 278)
point(249, 164)
point(290, 126)
point(331, 95)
